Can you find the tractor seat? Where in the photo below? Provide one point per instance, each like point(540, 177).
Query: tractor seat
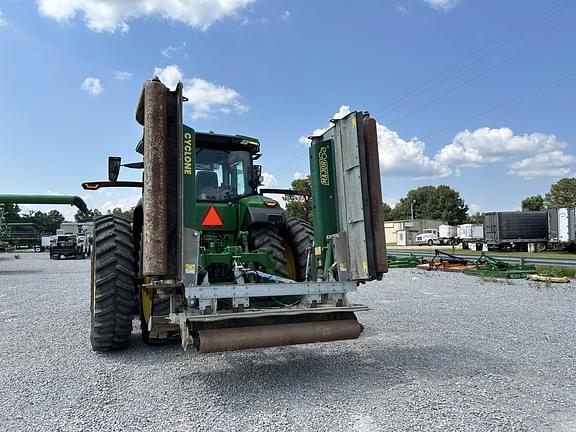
point(207, 185)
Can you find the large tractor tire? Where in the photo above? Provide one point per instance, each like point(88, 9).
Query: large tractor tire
point(113, 287)
point(287, 246)
point(268, 237)
point(300, 238)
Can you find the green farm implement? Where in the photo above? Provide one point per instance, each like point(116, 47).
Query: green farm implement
point(486, 266)
point(210, 260)
point(19, 234)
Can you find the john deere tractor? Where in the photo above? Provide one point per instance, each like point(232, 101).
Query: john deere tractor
point(212, 261)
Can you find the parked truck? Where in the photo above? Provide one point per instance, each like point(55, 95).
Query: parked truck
point(70, 246)
point(444, 235)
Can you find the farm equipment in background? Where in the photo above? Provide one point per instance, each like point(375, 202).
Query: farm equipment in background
point(487, 266)
point(210, 260)
point(44, 199)
point(411, 261)
point(22, 234)
point(445, 261)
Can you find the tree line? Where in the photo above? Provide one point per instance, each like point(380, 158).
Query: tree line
point(439, 202)
point(561, 194)
point(49, 222)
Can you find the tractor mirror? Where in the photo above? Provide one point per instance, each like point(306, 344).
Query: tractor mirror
point(256, 179)
point(114, 163)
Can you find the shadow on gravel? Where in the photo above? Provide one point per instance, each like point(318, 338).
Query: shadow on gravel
point(19, 272)
point(289, 371)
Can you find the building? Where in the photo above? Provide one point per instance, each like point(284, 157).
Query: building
point(391, 227)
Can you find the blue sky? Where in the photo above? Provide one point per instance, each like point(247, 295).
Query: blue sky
point(478, 95)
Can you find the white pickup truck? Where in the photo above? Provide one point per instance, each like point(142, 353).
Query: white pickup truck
point(444, 235)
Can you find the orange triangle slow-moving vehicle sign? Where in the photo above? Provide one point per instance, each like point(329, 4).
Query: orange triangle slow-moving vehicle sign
point(212, 218)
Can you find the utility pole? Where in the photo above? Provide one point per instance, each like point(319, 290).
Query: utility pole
point(412, 209)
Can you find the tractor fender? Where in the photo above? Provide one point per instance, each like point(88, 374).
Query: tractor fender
point(262, 215)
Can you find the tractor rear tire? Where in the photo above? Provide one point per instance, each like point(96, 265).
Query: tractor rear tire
point(113, 287)
point(300, 236)
point(268, 238)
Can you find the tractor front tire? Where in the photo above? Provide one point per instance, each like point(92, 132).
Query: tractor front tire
point(300, 238)
point(113, 287)
point(268, 238)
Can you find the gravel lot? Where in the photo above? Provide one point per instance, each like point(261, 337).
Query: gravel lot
point(440, 352)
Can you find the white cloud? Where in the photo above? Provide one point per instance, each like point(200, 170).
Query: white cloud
point(125, 203)
point(399, 157)
point(551, 164)
point(391, 201)
point(343, 111)
point(487, 146)
point(170, 50)
point(113, 15)
point(474, 208)
point(204, 97)
point(169, 75)
point(442, 4)
point(285, 15)
point(298, 175)
point(123, 76)
point(3, 22)
point(269, 180)
point(92, 86)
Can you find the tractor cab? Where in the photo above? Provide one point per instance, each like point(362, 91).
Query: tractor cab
point(224, 167)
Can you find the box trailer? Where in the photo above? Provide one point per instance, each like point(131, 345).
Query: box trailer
point(471, 236)
point(562, 228)
point(515, 230)
point(470, 232)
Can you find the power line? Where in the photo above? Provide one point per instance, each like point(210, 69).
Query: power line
point(407, 97)
point(480, 75)
point(500, 106)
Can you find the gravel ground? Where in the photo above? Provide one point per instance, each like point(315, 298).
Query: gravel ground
point(440, 352)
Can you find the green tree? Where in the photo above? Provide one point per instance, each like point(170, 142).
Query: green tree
point(388, 212)
point(298, 206)
point(433, 202)
point(128, 214)
point(533, 203)
point(476, 218)
point(46, 222)
point(11, 213)
point(562, 194)
point(87, 217)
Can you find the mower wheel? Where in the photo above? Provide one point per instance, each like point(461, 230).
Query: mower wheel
point(112, 294)
point(160, 307)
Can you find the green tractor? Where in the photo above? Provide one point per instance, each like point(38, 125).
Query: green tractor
point(208, 258)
